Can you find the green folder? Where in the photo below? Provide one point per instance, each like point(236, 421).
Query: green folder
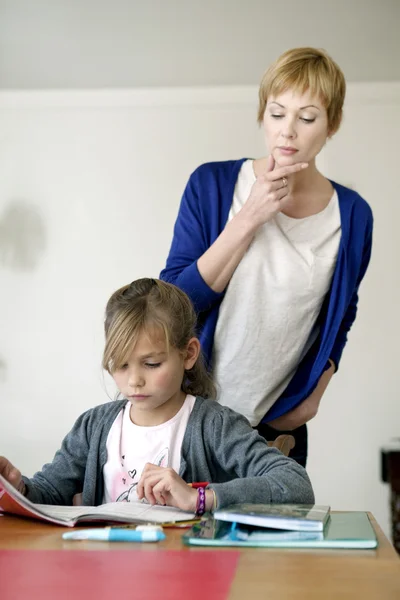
point(343, 530)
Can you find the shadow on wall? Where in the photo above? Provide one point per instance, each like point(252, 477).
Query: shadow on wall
point(22, 243)
point(22, 236)
point(3, 370)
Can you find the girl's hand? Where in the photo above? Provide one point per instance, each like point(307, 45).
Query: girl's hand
point(269, 193)
point(11, 474)
point(164, 486)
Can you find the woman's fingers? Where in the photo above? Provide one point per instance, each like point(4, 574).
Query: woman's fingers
point(278, 184)
point(268, 192)
point(281, 172)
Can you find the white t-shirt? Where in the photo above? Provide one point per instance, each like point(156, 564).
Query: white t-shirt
point(130, 447)
point(267, 318)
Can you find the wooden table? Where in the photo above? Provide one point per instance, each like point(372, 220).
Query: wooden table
point(261, 573)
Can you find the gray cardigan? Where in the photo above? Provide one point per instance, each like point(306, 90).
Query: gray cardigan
point(219, 446)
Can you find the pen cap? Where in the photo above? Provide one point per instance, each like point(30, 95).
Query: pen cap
point(127, 535)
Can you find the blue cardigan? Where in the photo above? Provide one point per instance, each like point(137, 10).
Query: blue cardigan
point(203, 215)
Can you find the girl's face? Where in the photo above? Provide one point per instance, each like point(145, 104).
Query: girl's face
point(295, 126)
point(151, 379)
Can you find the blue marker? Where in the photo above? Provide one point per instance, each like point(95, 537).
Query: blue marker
point(115, 534)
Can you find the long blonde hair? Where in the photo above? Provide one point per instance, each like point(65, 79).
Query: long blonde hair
point(153, 306)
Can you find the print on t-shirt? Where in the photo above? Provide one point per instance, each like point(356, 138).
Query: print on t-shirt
point(130, 495)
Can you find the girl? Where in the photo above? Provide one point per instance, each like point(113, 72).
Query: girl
point(164, 433)
point(272, 254)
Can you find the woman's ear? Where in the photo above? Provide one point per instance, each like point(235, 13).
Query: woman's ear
point(192, 353)
point(335, 129)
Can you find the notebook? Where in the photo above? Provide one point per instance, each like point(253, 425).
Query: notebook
point(11, 501)
point(297, 517)
point(343, 530)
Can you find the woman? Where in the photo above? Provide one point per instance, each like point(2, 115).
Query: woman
point(272, 254)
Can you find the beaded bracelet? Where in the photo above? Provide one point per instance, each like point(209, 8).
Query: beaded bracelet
point(201, 502)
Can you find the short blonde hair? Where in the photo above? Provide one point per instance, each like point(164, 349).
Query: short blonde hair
point(306, 69)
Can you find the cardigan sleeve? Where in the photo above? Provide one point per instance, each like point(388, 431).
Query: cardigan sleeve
point(61, 479)
point(250, 470)
point(190, 241)
point(351, 312)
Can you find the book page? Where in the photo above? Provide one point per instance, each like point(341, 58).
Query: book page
point(126, 512)
point(121, 511)
point(144, 512)
point(65, 513)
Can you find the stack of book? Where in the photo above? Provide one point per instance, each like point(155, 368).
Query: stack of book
point(283, 526)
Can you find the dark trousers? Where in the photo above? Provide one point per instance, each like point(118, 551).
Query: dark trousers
point(299, 452)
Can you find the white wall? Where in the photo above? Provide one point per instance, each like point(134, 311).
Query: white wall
point(133, 43)
point(90, 184)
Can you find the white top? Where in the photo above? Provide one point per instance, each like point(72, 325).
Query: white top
point(267, 318)
point(130, 447)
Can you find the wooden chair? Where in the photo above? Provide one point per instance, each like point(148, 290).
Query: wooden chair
point(284, 443)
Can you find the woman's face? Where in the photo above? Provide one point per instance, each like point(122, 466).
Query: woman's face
point(295, 126)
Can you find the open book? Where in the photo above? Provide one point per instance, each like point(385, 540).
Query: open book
point(11, 501)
